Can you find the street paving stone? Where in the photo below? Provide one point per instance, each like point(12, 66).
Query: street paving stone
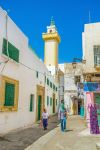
point(76, 137)
point(22, 138)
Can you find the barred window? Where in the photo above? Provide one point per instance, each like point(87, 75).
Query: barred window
point(97, 55)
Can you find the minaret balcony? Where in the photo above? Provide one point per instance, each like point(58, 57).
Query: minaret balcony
point(50, 36)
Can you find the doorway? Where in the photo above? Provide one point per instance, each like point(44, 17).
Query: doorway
point(75, 106)
point(39, 107)
point(53, 103)
point(40, 101)
point(79, 106)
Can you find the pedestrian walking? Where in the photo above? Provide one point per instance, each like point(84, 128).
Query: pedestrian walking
point(62, 115)
point(45, 117)
point(65, 119)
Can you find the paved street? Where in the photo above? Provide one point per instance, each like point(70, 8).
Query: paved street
point(77, 137)
point(20, 139)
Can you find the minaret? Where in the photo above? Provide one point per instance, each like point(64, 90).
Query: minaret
point(52, 39)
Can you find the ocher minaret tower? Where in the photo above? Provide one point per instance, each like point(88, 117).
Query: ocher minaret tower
point(52, 39)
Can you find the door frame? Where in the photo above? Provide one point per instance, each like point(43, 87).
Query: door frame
point(53, 104)
point(40, 92)
point(39, 111)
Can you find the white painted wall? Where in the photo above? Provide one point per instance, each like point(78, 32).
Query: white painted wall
point(90, 37)
point(26, 77)
point(61, 67)
point(61, 88)
point(70, 90)
point(52, 70)
point(53, 28)
point(69, 83)
point(61, 83)
point(51, 52)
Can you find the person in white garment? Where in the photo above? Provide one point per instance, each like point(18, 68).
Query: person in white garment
point(45, 117)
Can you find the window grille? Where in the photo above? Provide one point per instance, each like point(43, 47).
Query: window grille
point(97, 55)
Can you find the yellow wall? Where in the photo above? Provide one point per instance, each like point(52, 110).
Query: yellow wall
point(51, 53)
point(51, 48)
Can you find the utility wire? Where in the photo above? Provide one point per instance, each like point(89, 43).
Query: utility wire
point(5, 63)
point(43, 73)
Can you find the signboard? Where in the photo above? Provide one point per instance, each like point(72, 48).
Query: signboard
point(91, 86)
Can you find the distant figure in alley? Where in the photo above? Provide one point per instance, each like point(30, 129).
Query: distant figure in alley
point(45, 117)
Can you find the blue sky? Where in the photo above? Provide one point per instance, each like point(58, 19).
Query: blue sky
point(32, 17)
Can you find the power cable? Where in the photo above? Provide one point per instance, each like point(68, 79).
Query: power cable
point(43, 73)
point(3, 66)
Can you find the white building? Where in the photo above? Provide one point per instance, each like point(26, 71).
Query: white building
point(72, 76)
point(88, 72)
point(26, 85)
point(91, 51)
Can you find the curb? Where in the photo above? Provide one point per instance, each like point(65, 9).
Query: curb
point(42, 140)
point(98, 146)
point(86, 133)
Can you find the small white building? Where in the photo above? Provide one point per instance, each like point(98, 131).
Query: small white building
point(71, 77)
point(26, 85)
